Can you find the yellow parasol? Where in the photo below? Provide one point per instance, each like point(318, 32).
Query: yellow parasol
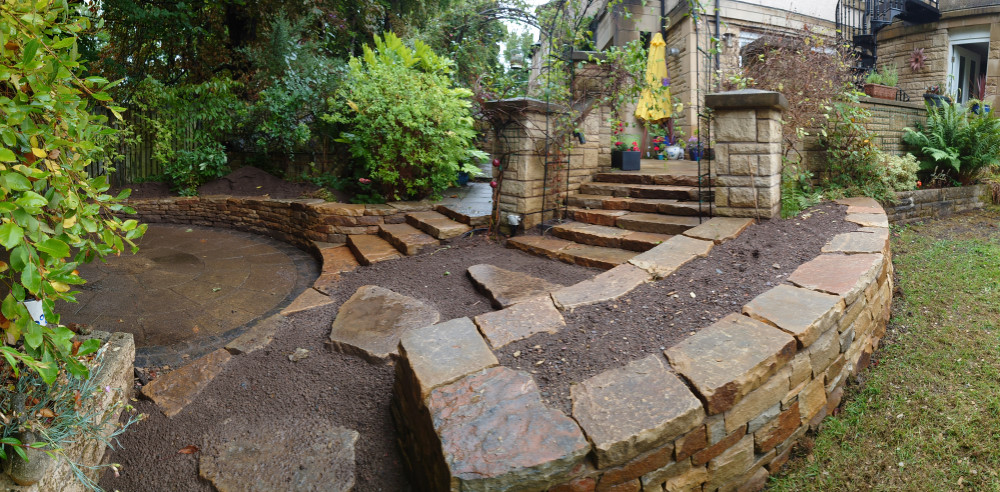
point(654, 103)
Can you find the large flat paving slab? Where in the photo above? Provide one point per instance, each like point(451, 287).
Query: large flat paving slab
point(371, 322)
point(505, 287)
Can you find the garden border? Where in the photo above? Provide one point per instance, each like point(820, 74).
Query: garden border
point(918, 205)
point(720, 410)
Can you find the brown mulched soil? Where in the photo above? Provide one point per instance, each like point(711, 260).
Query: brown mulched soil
point(245, 181)
point(264, 387)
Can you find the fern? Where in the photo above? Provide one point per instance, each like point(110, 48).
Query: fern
point(963, 142)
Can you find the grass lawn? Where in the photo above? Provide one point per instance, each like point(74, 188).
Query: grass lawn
point(926, 415)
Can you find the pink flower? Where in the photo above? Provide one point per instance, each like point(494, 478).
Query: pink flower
point(364, 180)
point(619, 143)
point(657, 148)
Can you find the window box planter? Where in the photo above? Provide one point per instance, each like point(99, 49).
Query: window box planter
point(937, 100)
point(626, 160)
point(880, 91)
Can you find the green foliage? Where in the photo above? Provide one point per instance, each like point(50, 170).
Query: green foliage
point(797, 190)
point(874, 77)
point(901, 172)
point(890, 75)
point(956, 140)
point(54, 216)
point(407, 127)
point(197, 116)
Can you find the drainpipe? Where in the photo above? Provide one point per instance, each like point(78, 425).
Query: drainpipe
point(718, 39)
point(663, 15)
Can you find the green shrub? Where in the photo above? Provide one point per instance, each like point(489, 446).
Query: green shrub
point(407, 127)
point(797, 190)
point(900, 172)
point(956, 140)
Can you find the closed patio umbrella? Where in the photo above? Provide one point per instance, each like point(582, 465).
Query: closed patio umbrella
point(654, 103)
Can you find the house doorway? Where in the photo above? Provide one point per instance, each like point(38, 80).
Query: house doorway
point(969, 52)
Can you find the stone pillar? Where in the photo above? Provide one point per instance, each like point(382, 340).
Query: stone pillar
point(747, 133)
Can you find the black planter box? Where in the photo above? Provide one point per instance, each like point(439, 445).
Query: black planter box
point(626, 160)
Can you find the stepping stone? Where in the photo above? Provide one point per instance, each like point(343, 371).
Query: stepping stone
point(257, 336)
point(633, 409)
point(436, 224)
point(440, 354)
point(719, 229)
point(371, 249)
point(175, 390)
point(297, 456)
point(370, 323)
point(671, 255)
point(520, 321)
point(598, 217)
point(643, 241)
point(607, 286)
point(657, 223)
point(594, 235)
point(505, 287)
point(595, 256)
point(463, 215)
point(336, 260)
point(308, 299)
point(730, 358)
point(406, 238)
point(496, 434)
point(539, 245)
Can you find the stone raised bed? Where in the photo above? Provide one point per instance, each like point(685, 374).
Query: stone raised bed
point(296, 221)
point(918, 205)
point(116, 375)
point(720, 411)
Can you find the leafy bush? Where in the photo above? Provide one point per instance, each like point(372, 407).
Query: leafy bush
point(407, 127)
point(797, 190)
point(855, 166)
point(958, 141)
point(188, 123)
point(53, 215)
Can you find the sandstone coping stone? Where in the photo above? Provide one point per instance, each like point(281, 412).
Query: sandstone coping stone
point(731, 358)
point(719, 229)
point(630, 410)
point(671, 255)
point(804, 313)
point(520, 321)
point(746, 99)
point(505, 287)
point(175, 390)
point(843, 275)
point(605, 286)
point(323, 458)
point(861, 205)
point(869, 220)
point(370, 323)
point(858, 242)
point(307, 300)
point(257, 336)
point(440, 354)
point(496, 434)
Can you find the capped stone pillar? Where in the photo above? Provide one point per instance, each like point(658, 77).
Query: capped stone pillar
point(747, 131)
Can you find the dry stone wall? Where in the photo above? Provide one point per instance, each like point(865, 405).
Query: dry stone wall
point(719, 411)
point(296, 221)
point(918, 205)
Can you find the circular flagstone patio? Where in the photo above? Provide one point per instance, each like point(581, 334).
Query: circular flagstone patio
point(189, 289)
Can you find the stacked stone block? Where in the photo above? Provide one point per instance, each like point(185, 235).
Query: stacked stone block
point(747, 131)
point(720, 411)
point(918, 205)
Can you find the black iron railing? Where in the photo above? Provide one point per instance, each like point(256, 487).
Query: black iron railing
point(859, 21)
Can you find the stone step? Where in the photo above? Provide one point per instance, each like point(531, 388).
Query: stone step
point(571, 252)
point(609, 237)
point(463, 216)
point(657, 223)
point(647, 205)
point(406, 238)
point(625, 190)
point(639, 177)
point(371, 249)
point(436, 224)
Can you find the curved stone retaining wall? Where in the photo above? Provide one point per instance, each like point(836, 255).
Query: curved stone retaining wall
point(297, 221)
point(917, 205)
point(719, 411)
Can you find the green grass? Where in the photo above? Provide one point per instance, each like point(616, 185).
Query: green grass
point(926, 415)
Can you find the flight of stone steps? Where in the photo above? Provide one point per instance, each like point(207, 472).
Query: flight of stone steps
point(621, 214)
point(421, 232)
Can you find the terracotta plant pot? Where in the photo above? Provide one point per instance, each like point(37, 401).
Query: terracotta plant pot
point(880, 91)
point(626, 160)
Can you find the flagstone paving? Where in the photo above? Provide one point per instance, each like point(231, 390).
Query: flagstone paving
point(189, 290)
point(370, 323)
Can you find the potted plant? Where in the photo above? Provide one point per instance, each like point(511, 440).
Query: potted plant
point(979, 95)
point(881, 84)
point(695, 149)
point(625, 157)
point(933, 96)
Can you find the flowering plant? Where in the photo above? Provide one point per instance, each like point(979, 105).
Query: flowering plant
point(693, 143)
point(622, 147)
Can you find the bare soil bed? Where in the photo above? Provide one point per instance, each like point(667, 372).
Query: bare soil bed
point(264, 388)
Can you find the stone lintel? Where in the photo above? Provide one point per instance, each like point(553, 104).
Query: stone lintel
point(729, 359)
point(746, 99)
